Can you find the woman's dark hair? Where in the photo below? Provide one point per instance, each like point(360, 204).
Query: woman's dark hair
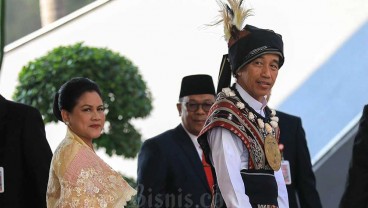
point(68, 94)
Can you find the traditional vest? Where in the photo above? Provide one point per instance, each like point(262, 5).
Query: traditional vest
point(231, 112)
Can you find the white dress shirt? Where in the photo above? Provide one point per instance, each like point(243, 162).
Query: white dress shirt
point(195, 142)
point(230, 155)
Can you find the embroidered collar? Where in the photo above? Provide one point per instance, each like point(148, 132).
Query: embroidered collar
point(70, 134)
point(268, 124)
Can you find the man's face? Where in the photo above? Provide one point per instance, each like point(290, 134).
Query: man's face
point(259, 76)
point(193, 110)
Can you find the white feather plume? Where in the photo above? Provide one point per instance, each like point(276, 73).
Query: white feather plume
point(232, 15)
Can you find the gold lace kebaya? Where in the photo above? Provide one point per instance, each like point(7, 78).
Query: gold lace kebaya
point(79, 178)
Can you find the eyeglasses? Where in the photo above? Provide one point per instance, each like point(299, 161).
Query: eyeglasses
point(193, 107)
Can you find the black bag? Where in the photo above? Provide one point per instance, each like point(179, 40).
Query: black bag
point(261, 187)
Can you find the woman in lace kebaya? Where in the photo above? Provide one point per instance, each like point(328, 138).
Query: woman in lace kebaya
point(78, 177)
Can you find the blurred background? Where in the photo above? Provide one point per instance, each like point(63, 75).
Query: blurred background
point(323, 79)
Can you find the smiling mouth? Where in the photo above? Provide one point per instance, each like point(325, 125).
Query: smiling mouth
point(200, 121)
point(263, 83)
point(95, 126)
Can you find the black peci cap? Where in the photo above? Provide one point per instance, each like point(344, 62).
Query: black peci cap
point(197, 84)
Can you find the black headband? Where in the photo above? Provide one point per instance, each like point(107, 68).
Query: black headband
point(253, 44)
point(256, 43)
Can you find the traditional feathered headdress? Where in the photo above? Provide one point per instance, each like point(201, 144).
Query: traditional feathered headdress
point(233, 15)
point(245, 43)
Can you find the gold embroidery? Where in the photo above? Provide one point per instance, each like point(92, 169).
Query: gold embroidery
point(79, 178)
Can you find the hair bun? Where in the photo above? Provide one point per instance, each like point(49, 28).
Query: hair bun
point(56, 109)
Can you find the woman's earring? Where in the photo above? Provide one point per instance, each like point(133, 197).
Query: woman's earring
point(67, 123)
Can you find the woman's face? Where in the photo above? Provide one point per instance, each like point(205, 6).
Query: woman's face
point(87, 117)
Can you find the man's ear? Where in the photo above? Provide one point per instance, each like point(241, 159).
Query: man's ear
point(179, 106)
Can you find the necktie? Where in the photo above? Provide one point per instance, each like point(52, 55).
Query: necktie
point(208, 172)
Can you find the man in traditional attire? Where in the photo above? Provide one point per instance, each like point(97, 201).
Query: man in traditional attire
point(241, 133)
point(171, 172)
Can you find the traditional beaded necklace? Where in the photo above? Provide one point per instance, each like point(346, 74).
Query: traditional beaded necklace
point(266, 126)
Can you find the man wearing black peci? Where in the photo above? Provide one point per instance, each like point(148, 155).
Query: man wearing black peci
point(171, 172)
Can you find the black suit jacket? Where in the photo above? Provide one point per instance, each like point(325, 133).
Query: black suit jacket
point(356, 192)
point(170, 172)
point(25, 156)
point(303, 186)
